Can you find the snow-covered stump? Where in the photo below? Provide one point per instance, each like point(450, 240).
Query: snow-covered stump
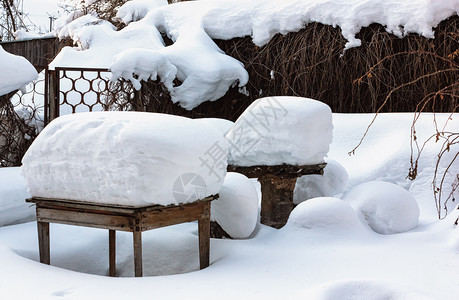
point(277, 140)
point(277, 186)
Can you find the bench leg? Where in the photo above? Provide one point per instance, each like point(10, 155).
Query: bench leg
point(43, 242)
point(137, 234)
point(112, 253)
point(204, 237)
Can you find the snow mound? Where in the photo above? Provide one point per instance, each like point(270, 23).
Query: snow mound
point(13, 192)
point(126, 158)
point(221, 125)
point(16, 71)
point(281, 130)
point(353, 289)
point(324, 213)
point(236, 210)
point(331, 183)
point(386, 207)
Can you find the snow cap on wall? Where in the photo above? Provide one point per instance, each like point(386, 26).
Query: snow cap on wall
point(205, 73)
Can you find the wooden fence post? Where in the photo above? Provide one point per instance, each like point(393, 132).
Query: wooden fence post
point(53, 94)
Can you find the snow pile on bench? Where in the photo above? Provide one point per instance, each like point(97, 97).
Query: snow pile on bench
point(126, 158)
point(281, 130)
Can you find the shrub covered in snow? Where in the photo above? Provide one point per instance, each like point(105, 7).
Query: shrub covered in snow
point(386, 207)
point(236, 211)
point(127, 158)
point(331, 183)
point(281, 130)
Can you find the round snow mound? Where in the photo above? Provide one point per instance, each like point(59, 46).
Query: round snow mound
point(386, 207)
point(236, 211)
point(331, 183)
point(324, 213)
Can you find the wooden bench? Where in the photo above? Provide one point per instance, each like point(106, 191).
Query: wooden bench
point(125, 218)
point(277, 186)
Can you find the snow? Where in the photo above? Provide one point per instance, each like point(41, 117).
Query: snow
point(221, 125)
point(205, 71)
point(138, 9)
point(386, 207)
point(281, 130)
point(332, 183)
point(138, 51)
point(337, 257)
point(324, 252)
point(385, 153)
point(236, 210)
point(263, 19)
point(16, 72)
point(13, 191)
point(126, 158)
point(147, 64)
point(324, 214)
point(352, 289)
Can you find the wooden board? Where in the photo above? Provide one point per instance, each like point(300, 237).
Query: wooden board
point(282, 171)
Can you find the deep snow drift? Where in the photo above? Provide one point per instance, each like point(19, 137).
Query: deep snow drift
point(325, 252)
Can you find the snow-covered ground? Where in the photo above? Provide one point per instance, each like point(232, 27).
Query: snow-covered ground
point(329, 249)
point(324, 252)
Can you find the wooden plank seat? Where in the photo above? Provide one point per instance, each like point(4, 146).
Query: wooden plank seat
point(124, 218)
point(277, 186)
